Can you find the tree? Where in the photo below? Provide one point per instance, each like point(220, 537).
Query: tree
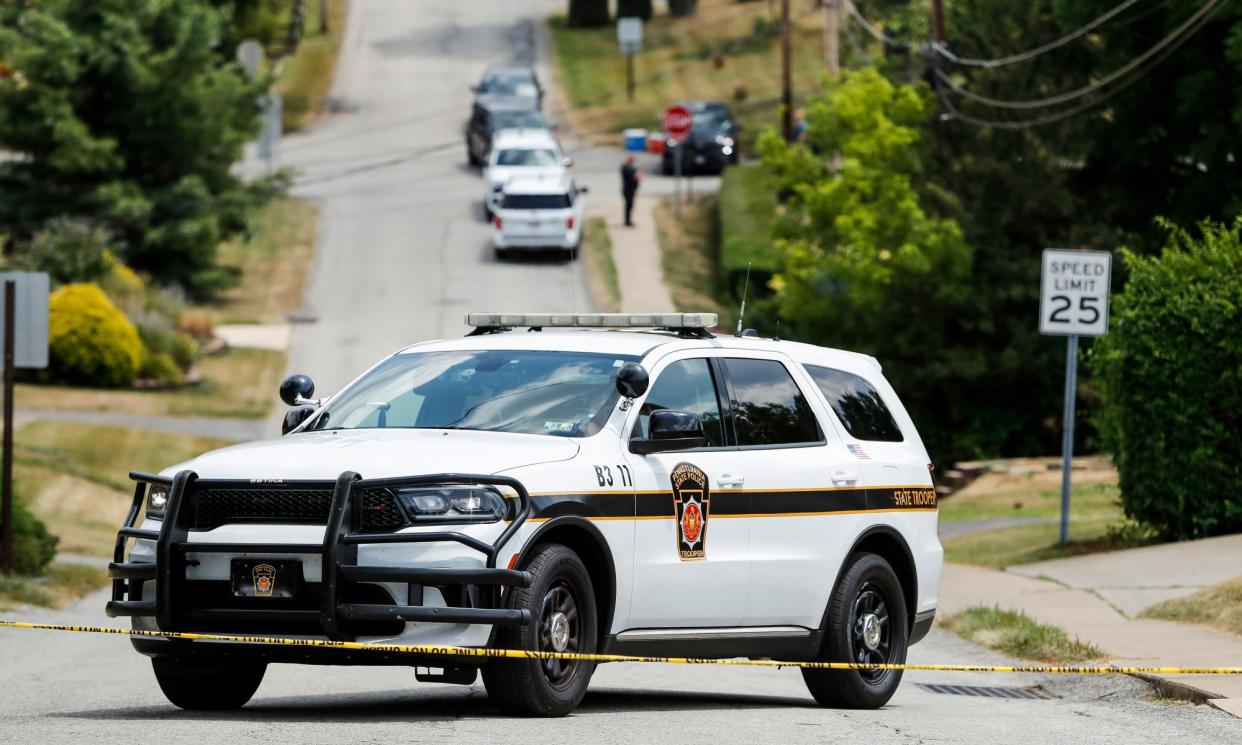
point(682, 8)
point(126, 115)
point(586, 13)
point(1170, 372)
point(869, 267)
point(634, 9)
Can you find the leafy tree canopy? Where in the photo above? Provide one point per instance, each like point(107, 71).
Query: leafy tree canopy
point(127, 115)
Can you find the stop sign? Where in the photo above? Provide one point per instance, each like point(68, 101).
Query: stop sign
point(678, 122)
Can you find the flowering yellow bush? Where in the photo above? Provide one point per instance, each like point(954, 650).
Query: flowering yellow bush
point(90, 341)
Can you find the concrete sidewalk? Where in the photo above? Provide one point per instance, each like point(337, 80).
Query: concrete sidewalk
point(1073, 599)
point(636, 253)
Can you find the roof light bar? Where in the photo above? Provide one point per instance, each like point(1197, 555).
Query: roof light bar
point(593, 320)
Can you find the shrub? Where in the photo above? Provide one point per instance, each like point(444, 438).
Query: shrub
point(90, 341)
point(162, 368)
point(33, 546)
point(69, 250)
point(1170, 376)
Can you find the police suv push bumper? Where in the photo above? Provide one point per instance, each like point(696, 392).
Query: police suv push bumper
point(339, 552)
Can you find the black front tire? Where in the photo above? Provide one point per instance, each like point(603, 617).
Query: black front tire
point(207, 686)
point(868, 588)
point(562, 605)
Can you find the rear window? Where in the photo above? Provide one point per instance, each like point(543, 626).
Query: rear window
point(536, 202)
point(768, 407)
point(858, 405)
point(524, 156)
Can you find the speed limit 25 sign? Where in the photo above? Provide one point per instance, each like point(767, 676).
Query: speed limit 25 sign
point(1073, 296)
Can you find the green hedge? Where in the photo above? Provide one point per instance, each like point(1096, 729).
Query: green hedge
point(90, 341)
point(747, 213)
point(1170, 373)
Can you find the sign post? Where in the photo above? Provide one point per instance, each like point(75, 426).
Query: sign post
point(1073, 302)
point(630, 41)
point(677, 122)
point(25, 345)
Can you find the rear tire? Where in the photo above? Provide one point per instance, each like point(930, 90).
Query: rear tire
point(562, 609)
point(207, 686)
point(867, 622)
point(501, 253)
point(572, 253)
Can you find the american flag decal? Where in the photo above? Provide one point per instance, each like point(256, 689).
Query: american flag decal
point(858, 451)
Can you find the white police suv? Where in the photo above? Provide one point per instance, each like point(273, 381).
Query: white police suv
point(521, 152)
point(612, 483)
point(538, 214)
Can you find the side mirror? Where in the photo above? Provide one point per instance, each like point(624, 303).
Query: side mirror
point(567, 161)
point(632, 380)
point(671, 430)
point(295, 388)
point(584, 189)
point(295, 417)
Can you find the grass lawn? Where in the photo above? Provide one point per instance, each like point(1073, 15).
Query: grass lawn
point(601, 269)
point(1016, 634)
point(307, 75)
point(1218, 606)
point(64, 584)
point(239, 383)
point(728, 52)
point(688, 256)
point(275, 262)
point(1027, 489)
point(74, 476)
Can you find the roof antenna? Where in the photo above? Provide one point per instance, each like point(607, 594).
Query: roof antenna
point(745, 290)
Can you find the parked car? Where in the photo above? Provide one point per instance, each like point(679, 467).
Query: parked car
point(712, 143)
point(490, 117)
point(624, 484)
point(538, 213)
point(511, 82)
point(526, 152)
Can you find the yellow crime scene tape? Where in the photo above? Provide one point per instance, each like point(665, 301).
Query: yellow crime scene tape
point(527, 654)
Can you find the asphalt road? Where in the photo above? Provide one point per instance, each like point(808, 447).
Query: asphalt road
point(75, 688)
point(403, 255)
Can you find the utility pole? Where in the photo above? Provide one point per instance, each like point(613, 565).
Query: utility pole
point(786, 78)
point(832, 37)
point(938, 22)
point(323, 16)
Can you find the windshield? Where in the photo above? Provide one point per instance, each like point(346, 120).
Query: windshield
point(526, 157)
point(512, 84)
point(711, 120)
point(517, 120)
point(566, 394)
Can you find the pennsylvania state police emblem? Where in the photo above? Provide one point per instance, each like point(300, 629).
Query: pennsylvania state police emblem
point(264, 580)
point(690, 498)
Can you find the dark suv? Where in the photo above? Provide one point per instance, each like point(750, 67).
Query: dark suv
point(510, 82)
point(491, 116)
point(712, 143)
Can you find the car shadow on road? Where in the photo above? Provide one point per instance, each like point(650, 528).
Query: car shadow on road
point(432, 705)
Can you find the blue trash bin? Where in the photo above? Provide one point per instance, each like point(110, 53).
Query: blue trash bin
point(635, 140)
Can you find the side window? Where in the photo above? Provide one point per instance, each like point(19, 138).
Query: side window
point(685, 385)
point(858, 405)
point(769, 408)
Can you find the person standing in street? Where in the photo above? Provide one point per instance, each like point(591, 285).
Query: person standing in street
point(629, 187)
point(799, 127)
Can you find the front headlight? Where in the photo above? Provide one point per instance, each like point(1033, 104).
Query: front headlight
point(461, 503)
point(157, 499)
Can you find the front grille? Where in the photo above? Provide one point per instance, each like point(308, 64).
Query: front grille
point(220, 506)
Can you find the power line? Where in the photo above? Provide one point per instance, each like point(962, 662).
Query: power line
point(1178, 36)
point(955, 113)
point(868, 26)
point(1030, 54)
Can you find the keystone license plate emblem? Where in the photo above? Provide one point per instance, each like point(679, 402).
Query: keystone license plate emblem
point(691, 500)
point(266, 578)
